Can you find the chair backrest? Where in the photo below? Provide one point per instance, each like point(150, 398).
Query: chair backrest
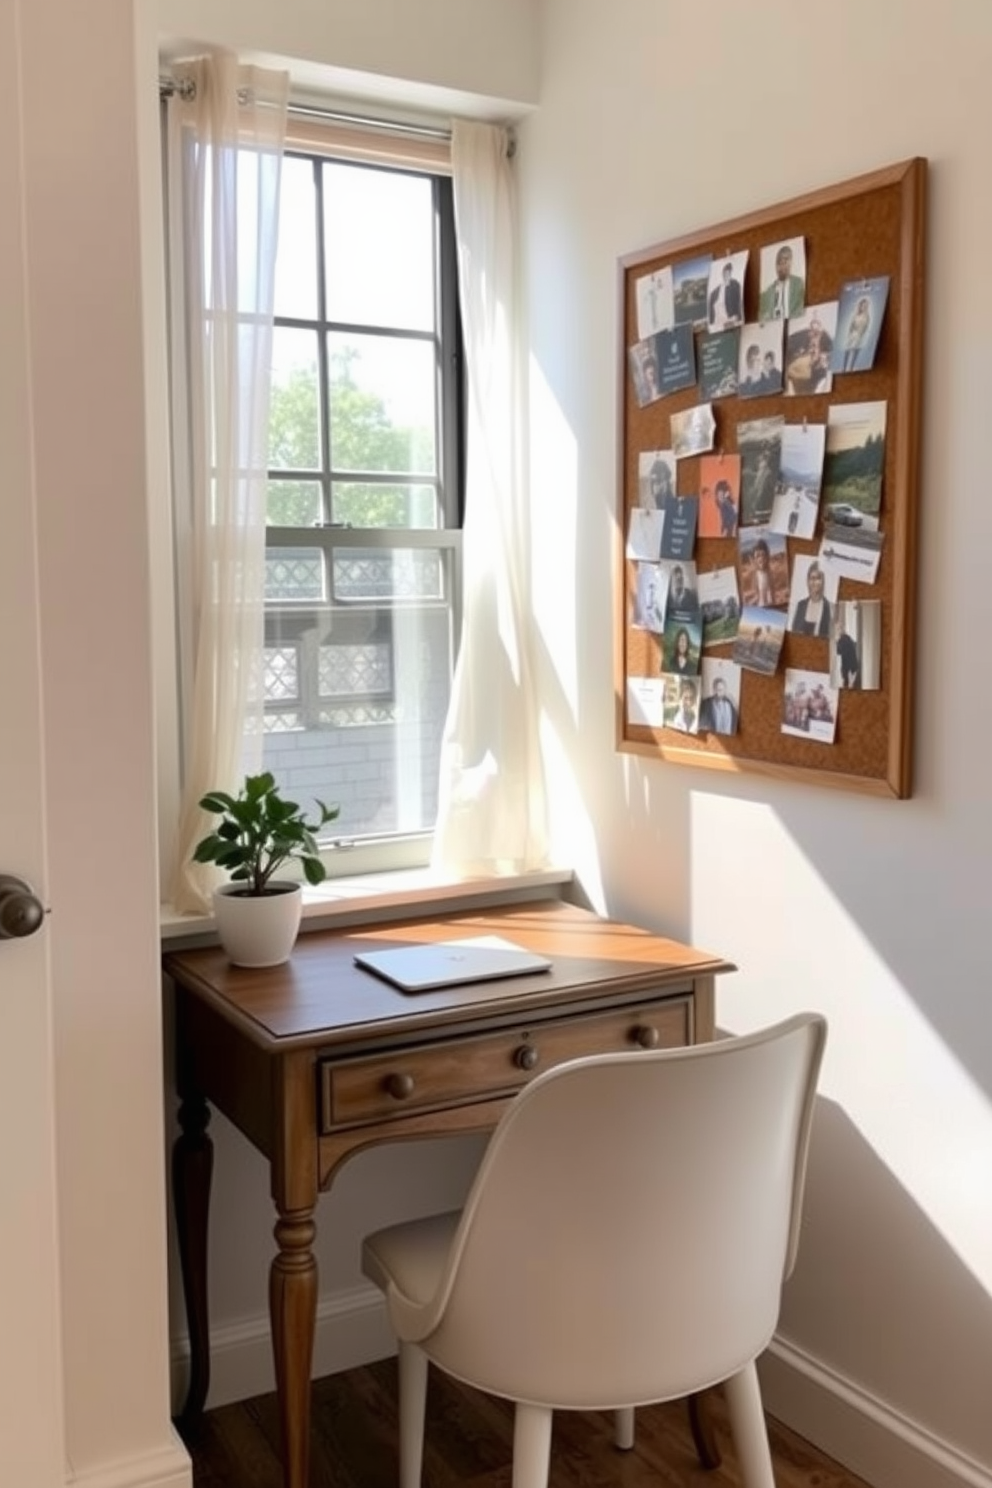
point(631, 1223)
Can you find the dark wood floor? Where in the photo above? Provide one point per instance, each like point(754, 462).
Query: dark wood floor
point(468, 1443)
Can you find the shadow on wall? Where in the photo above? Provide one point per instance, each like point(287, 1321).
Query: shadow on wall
point(910, 1299)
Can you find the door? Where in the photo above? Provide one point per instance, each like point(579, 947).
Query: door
point(31, 1429)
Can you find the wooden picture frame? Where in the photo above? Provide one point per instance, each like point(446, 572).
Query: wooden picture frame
point(864, 228)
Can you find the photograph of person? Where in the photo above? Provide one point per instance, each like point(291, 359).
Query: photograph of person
point(800, 476)
point(725, 298)
point(682, 641)
point(655, 302)
point(760, 373)
point(809, 345)
point(655, 478)
point(809, 706)
point(678, 537)
point(720, 606)
point(682, 598)
point(856, 650)
point(783, 280)
point(719, 357)
point(814, 592)
point(682, 703)
point(854, 463)
point(719, 494)
point(859, 323)
point(693, 430)
point(719, 710)
point(691, 279)
point(644, 534)
point(760, 634)
point(762, 567)
point(644, 372)
point(760, 444)
point(648, 611)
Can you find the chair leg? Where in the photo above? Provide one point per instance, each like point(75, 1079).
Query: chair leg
point(531, 1446)
point(623, 1428)
point(747, 1422)
point(703, 1435)
point(413, 1403)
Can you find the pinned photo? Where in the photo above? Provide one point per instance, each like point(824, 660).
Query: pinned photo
point(854, 463)
point(645, 702)
point(644, 534)
point(809, 706)
point(648, 609)
point(680, 647)
point(763, 566)
point(852, 553)
point(655, 478)
point(859, 323)
point(809, 346)
point(720, 709)
point(691, 282)
point(643, 360)
point(693, 430)
point(814, 592)
point(655, 298)
point(760, 634)
point(783, 280)
point(720, 606)
point(800, 477)
point(856, 653)
point(678, 537)
point(681, 702)
point(719, 494)
point(682, 596)
point(760, 443)
point(725, 297)
point(760, 372)
point(718, 364)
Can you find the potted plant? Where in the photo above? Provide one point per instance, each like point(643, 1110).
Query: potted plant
point(258, 915)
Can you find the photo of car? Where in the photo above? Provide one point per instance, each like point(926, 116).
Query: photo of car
point(844, 514)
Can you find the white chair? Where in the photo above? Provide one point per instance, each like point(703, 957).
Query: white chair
point(624, 1242)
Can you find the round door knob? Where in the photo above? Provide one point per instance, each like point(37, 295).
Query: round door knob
point(645, 1036)
point(526, 1057)
point(400, 1087)
point(21, 911)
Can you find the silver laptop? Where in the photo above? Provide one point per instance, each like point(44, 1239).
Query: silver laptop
point(449, 963)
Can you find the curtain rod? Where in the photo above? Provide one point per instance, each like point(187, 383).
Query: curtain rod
point(186, 88)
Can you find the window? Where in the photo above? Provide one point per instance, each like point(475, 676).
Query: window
point(364, 497)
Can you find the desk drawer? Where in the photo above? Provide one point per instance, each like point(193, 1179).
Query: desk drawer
point(455, 1071)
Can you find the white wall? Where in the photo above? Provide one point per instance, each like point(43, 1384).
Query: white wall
point(656, 120)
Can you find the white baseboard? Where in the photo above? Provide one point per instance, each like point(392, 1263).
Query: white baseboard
point(871, 1439)
point(351, 1330)
point(168, 1468)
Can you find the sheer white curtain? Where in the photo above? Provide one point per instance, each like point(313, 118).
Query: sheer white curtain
point(225, 133)
point(492, 812)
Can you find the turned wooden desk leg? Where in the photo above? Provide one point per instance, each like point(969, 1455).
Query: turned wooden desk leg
point(702, 1433)
point(192, 1170)
point(293, 1314)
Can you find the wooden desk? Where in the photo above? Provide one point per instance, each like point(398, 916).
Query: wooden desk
point(316, 1059)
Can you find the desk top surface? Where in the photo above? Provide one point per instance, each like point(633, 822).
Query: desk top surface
point(319, 994)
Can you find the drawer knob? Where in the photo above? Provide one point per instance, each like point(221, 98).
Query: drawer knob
point(645, 1036)
point(526, 1057)
point(400, 1087)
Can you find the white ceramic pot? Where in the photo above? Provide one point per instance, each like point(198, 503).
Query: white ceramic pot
point(258, 930)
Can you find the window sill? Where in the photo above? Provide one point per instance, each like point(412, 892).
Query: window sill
point(372, 898)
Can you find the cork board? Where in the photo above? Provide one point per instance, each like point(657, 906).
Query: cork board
point(860, 230)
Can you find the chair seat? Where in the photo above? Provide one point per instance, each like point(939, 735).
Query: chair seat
point(410, 1257)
